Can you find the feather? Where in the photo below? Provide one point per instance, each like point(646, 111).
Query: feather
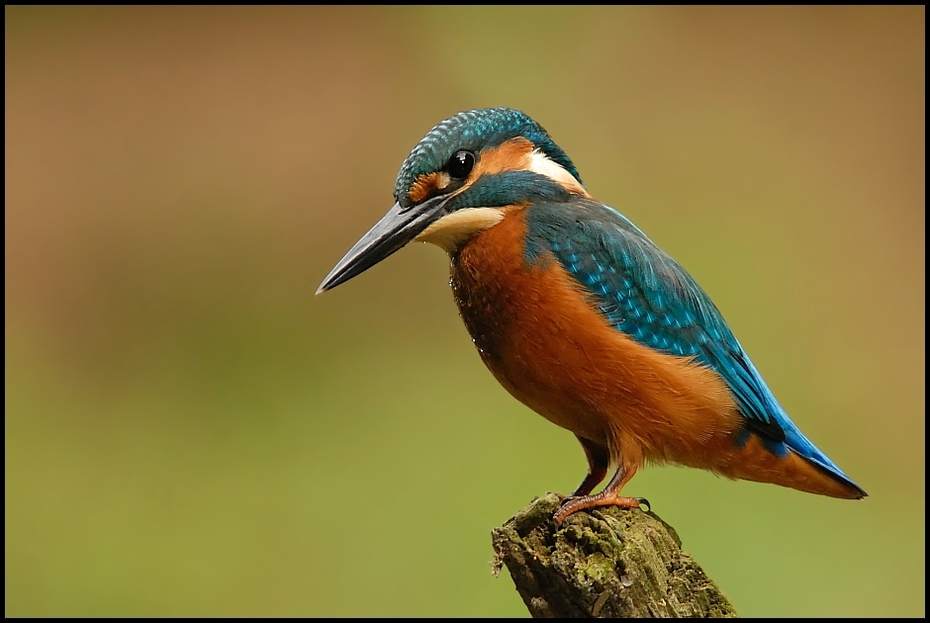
point(647, 295)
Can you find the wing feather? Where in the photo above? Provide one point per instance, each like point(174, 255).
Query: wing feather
point(644, 293)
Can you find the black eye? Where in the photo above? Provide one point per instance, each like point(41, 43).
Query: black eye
point(460, 164)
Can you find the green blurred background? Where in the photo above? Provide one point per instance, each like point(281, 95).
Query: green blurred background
point(190, 431)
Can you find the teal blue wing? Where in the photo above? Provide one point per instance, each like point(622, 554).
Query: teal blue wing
point(644, 293)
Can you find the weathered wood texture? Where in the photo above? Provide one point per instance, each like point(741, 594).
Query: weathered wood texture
point(607, 562)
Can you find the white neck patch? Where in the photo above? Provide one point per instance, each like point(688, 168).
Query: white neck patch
point(538, 162)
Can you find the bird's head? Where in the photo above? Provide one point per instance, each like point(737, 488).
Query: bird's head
point(457, 181)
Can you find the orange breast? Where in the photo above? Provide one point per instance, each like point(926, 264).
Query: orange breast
point(551, 349)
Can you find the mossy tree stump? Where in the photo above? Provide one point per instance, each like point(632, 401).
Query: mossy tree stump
point(608, 562)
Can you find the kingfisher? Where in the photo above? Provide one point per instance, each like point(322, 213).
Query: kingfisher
point(583, 318)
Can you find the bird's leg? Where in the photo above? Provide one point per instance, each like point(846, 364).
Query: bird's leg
point(608, 497)
point(598, 462)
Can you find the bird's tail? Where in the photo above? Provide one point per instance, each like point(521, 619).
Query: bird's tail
point(807, 451)
point(793, 460)
point(801, 467)
point(795, 471)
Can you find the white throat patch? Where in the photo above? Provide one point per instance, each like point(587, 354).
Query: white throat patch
point(453, 230)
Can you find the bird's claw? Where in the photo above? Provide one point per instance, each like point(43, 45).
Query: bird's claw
point(588, 502)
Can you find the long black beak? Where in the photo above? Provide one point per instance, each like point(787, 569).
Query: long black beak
point(395, 229)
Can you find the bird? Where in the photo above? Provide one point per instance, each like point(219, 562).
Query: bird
point(583, 318)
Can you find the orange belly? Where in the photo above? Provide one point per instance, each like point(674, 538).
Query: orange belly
point(552, 350)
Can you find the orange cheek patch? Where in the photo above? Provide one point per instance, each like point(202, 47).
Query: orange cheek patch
point(428, 184)
point(510, 156)
point(518, 154)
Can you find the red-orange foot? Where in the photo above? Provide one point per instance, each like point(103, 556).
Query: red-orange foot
point(605, 498)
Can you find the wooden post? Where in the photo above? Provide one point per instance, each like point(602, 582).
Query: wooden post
point(608, 562)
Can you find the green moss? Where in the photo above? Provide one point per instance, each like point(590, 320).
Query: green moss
point(598, 568)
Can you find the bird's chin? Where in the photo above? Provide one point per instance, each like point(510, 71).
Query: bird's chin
point(452, 231)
